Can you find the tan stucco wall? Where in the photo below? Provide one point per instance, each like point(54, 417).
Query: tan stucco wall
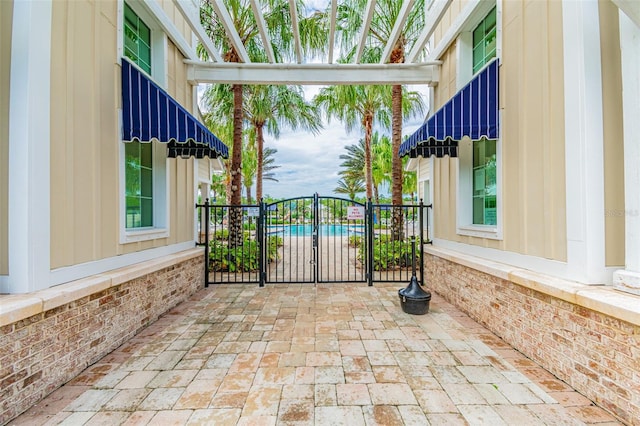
point(532, 128)
point(85, 138)
point(613, 135)
point(6, 18)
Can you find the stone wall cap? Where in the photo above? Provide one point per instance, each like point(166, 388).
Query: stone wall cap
point(601, 298)
point(16, 307)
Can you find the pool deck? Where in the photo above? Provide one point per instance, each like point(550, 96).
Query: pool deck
point(304, 354)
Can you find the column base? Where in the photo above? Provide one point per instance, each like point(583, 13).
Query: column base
point(628, 281)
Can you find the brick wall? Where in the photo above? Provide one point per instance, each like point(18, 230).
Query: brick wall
point(595, 353)
point(42, 352)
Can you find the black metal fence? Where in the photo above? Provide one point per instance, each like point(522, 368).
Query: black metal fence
point(312, 240)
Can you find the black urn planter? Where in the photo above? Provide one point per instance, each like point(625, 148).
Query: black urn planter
point(413, 299)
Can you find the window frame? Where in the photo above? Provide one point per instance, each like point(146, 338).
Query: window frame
point(160, 162)
point(464, 183)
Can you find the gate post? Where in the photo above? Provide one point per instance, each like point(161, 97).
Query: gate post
point(207, 218)
point(370, 231)
point(262, 247)
point(422, 240)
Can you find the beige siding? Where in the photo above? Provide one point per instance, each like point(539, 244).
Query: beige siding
point(613, 135)
point(532, 128)
point(6, 15)
point(85, 139)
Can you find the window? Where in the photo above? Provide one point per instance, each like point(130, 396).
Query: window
point(144, 185)
point(139, 185)
point(484, 182)
point(484, 41)
point(137, 40)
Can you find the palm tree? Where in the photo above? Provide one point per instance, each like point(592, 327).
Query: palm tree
point(381, 168)
point(268, 164)
point(278, 21)
point(353, 164)
point(351, 186)
point(266, 107)
point(249, 165)
point(358, 105)
point(350, 16)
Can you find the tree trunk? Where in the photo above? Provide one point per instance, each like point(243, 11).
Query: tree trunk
point(235, 214)
point(260, 141)
point(248, 195)
point(396, 163)
point(368, 130)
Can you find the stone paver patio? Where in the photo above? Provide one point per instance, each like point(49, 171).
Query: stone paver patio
point(340, 354)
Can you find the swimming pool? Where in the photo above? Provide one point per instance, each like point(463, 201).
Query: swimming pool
point(331, 230)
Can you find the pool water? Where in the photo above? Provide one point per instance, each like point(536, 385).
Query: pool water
point(331, 230)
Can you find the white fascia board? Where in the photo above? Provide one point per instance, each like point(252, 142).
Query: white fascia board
point(83, 270)
point(398, 26)
point(167, 25)
point(463, 21)
point(338, 74)
point(190, 14)
point(434, 17)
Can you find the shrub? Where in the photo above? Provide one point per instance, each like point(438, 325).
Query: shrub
point(243, 258)
point(388, 254)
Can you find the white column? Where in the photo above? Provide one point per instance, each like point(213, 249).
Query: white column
point(29, 147)
point(584, 142)
point(629, 278)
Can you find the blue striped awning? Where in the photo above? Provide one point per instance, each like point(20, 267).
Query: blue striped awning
point(472, 112)
point(149, 113)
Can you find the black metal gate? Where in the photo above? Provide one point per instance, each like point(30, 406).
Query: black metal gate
point(312, 240)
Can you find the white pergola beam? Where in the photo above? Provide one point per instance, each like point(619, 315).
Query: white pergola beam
point(262, 27)
point(169, 28)
point(332, 28)
point(293, 11)
point(364, 31)
point(188, 12)
point(433, 19)
point(397, 29)
point(315, 74)
point(227, 23)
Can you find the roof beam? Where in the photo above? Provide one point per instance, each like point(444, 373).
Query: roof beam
point(320, 74)
point(332, 29)
point(436, 12)
point(262, 27)
point(189, 14)
point(293, 11)
point(397, 29)
point(227, 23)
point(368, 16)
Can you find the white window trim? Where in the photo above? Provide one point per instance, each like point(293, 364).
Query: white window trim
point(464, 44)
point(161, 204)
point(161, 182)
point(467, 22)
point(464, 183)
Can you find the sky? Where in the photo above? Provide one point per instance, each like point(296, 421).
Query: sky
point(310, 163)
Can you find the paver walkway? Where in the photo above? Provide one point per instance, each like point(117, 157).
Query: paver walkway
point(325, 355)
